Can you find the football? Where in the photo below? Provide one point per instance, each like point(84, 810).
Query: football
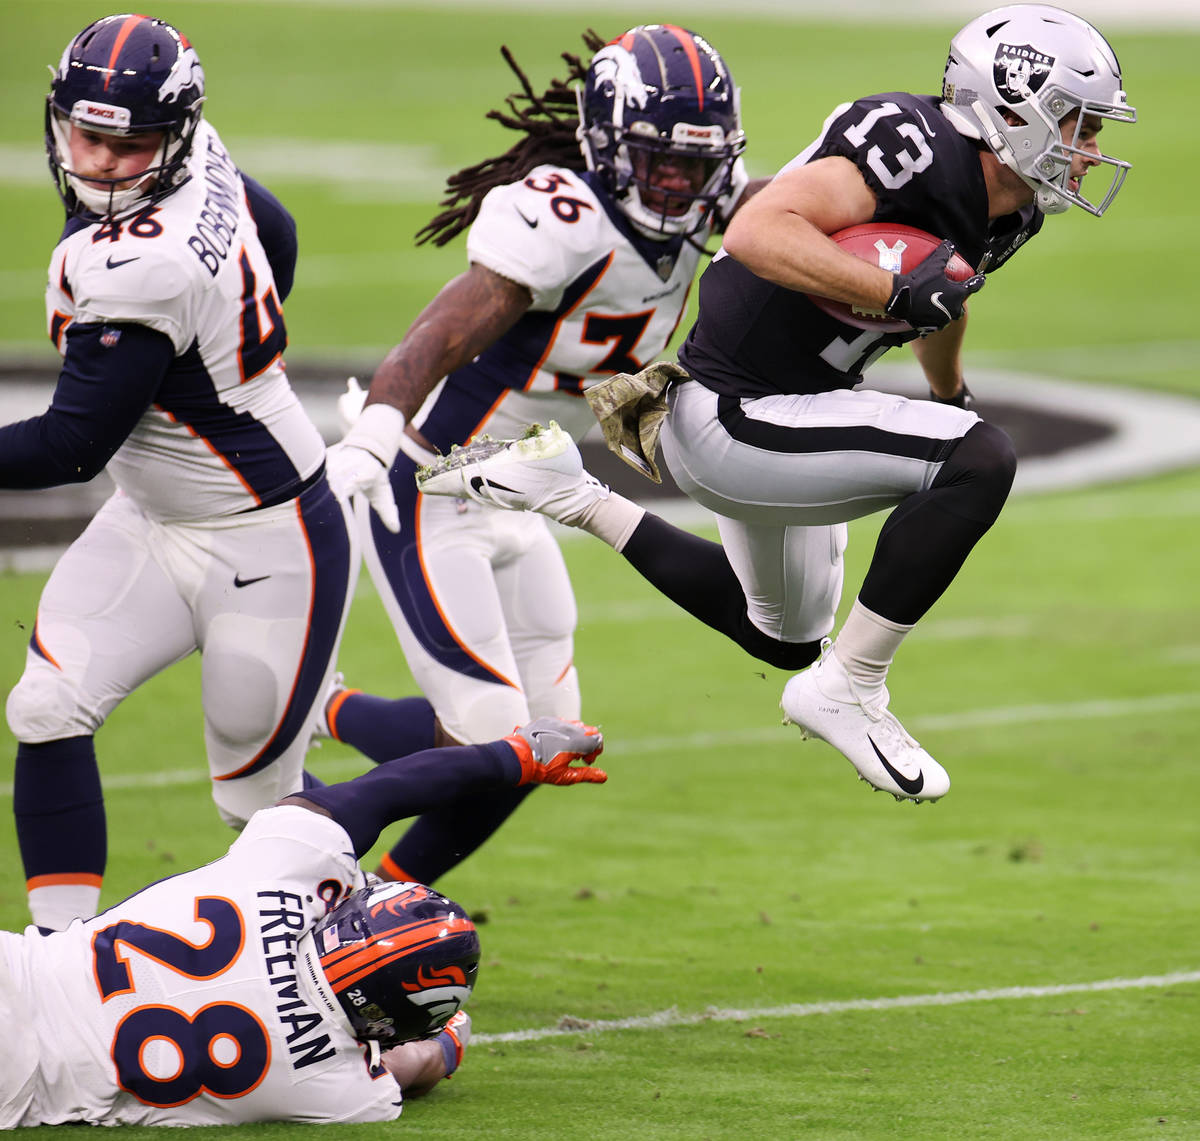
point(895, 248)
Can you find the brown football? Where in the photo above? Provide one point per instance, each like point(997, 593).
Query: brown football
point(895, 248)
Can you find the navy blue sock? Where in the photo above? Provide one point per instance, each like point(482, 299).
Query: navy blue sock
point(59, 808)
point(384, 728)
point(444, 837)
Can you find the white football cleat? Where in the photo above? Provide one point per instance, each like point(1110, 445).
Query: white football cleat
point(321, 731)
point(542, 471)
point(822, 702)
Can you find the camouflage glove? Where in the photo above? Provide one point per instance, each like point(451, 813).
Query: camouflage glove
point(631, 408)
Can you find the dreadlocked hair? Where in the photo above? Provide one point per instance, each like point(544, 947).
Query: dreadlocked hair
point(548, 122)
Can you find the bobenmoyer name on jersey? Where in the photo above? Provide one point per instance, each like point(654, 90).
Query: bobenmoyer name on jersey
point(217, 223)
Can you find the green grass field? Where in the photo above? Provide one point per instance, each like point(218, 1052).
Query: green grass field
point(728, 868)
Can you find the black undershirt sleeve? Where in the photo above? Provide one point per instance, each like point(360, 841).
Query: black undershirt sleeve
point(110, 375)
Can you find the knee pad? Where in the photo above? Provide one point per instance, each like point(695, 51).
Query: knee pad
point(484, 711)
point(48, 705)
point(242, 702)
point(985, 461)
point(782, 655)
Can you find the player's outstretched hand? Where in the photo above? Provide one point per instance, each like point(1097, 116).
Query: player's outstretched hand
point(547, 746)
point(926, 298)
point(352, 470)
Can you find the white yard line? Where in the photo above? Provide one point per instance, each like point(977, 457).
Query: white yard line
point(666, 1019)
point(1163, 703)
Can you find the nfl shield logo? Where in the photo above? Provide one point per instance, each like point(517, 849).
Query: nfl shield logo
point(110, 337)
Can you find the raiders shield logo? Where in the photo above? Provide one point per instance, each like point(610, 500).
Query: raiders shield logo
point(1020, 70)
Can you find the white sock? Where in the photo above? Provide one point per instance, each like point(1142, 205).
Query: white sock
point(865, 646)
point(55, 905)
point(612, 518)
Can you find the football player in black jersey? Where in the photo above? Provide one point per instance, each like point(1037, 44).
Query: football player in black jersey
point(767, 428)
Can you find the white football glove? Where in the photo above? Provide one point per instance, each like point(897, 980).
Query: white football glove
point(360, 463)
point(350, 404)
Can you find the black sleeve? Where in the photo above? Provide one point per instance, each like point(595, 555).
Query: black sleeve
point(110, 375)
point(276, 231)
point(409, 786)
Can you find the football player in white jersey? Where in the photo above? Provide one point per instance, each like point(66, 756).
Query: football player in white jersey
point(223, 536)
point(277, 983)
point(584, 240)
point(765, 425)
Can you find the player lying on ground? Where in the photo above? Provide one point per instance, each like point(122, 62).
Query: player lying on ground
point(277, 983)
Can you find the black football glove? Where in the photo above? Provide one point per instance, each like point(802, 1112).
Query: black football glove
point(963, 398)
point(926, 298)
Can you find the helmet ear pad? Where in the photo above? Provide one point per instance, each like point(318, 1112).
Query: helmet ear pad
point(400, 959)
point(660, 96)
point(124, 75)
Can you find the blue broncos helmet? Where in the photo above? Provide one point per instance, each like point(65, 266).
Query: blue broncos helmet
point(656, 93)
point(124, 75)
point(398, 958)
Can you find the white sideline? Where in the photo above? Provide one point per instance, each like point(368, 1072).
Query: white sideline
point(766, 734)
point(665, 1019)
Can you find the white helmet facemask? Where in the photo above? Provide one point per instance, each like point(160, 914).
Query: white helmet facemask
point(1041, 65)
point(104, 199)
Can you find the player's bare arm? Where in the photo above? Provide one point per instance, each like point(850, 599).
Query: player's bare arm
point(416, 1066)
point(780, 234)
point(419, 1066)
point(940, 358)
point(468, 314)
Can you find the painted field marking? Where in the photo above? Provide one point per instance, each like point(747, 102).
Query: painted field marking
point(767, 734)
point(666, 1019)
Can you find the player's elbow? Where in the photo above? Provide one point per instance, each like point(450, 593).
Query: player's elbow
point(739, 238)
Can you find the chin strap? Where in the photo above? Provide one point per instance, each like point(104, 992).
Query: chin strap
point(993, 137)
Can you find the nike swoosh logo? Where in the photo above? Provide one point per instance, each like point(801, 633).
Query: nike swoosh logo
point(532, 225)
point(239, 582)
point(124, 261)
point(936, 301)
point(478, 483)
point(910, 786)
point(928, 129)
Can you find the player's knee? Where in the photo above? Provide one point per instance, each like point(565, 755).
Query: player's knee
point(242, 702)
point(782, 655)
point(47, 705)
point(986, 461)
point(485, 713)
